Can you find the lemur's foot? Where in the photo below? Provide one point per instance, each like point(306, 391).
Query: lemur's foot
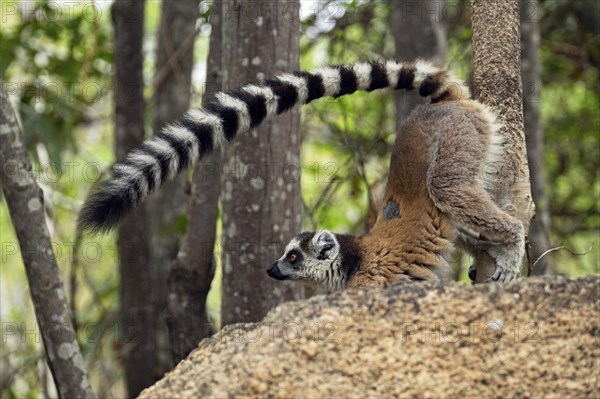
point(504, 276)
point(499, 275)
point(507, 257)
point(508, 260)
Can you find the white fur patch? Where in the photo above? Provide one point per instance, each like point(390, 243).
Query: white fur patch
point(267, 93)
point(324, 236)
point(496, 151)
point(294, 244)
point(131, 176)
point(240, 107)
point(392, 69)
point(328, 273)
point(331, 80)
point(496, 148)
point(492, 118)
point(299, 83)
point(363, 75)
point(126, 171)
point(144, 160)
point(205, 117)
point(497, 144)
point(162, 146)
point(183, 135)
point(423, 69)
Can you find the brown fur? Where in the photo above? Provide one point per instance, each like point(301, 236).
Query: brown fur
point(437, 179)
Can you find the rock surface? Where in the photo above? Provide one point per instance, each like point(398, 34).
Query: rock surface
point(533, 338)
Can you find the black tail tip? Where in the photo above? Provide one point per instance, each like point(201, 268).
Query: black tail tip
point(103, 210)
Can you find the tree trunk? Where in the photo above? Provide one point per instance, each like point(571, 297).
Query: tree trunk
point(168, 207)
point(25, 202)
point(419, 32)
point(497, 83)
point(532, 84)
point(192, 272)
point(137, 311)
point(260, 194)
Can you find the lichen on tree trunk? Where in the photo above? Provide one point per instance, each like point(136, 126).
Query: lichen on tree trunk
point(25, 202)
point(260, 193)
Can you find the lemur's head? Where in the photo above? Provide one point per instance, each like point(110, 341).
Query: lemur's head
point(319, 257)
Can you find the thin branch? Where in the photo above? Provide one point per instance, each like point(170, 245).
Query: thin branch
point(565, 248)
point(92, 52)
point(162, 74)
point(172, 61)
point(9, 372)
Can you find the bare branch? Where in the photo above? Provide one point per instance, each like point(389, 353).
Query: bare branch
point(565, 248)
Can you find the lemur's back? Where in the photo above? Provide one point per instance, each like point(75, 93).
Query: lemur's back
point(416, 147)
point(412, 238)
point(427, 129)
point(412, 153)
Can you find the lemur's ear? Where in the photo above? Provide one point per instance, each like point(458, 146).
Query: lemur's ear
point(325, 244)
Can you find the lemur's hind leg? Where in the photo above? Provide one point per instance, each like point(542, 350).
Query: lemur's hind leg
point(454, 182)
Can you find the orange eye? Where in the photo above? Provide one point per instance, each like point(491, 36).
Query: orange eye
point(293, 258)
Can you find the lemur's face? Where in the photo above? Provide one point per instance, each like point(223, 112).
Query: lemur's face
point(308, 256)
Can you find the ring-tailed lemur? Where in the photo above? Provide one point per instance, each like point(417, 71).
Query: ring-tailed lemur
point(436, 194)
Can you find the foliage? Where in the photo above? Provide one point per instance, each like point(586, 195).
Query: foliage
point(57, 60)
point(570, 106)
point(346, 140)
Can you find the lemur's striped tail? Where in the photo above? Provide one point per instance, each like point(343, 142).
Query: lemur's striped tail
point(185, 141)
